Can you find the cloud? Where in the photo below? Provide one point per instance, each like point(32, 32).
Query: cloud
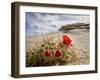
point(38, 23)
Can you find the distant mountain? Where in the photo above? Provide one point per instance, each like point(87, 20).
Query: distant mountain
point(75, 26)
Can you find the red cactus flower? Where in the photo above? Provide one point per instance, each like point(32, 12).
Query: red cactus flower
point(58, 53)
point(47, 53)
point(67, 40)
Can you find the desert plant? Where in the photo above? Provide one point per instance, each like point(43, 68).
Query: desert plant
point(51, 53)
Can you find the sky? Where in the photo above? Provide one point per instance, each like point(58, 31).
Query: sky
point(39, 23)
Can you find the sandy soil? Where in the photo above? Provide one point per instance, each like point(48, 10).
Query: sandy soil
point(80, 41)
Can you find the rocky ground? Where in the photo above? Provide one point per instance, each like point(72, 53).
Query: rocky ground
point(79, 37)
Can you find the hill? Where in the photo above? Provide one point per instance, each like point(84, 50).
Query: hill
point(75, 26)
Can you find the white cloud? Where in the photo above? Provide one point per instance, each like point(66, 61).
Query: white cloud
point(37, 23)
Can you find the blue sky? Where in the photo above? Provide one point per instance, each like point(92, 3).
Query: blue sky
point(38, 23)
